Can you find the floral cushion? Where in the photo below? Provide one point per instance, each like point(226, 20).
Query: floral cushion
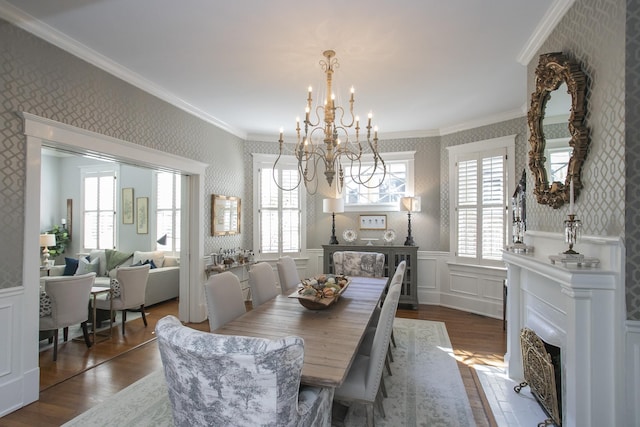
point(45, 304)
point(237, 381)
point(115, 287)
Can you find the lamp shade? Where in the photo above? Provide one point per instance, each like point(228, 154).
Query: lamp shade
point(47, 240)
point(163, 240)
point(410, 204)
point(333, 205)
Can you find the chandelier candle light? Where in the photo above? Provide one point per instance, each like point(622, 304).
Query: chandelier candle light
point(325, 140)
point(333, 206)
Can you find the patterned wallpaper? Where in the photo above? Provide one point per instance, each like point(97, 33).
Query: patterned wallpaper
point(632, 136)
point(516, 127)
point(39, 78)
point(593, 32)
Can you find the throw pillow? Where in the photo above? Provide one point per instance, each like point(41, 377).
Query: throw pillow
point(115, 258)
point(156, 256)
point(70, 266)
point(152, 264)
point(45, 304)
point(137, 264)
point(115, 288)
point(85, 266)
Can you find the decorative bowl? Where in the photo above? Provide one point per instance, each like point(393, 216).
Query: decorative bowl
point(320, 292)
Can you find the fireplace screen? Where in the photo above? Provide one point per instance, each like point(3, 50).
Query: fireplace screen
point(542, 373)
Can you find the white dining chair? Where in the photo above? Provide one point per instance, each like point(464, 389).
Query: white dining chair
point(288, 274)
point(132, 282)
point(224, 299)
point(68, 297)
point(363, 380)
point(262, 281)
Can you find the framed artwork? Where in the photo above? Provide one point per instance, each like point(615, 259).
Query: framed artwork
point(225, 215)
point(373, 222)
point(127, 206)
point(69, 217)
point(142, 215)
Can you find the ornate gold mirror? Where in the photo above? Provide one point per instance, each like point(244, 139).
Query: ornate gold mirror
point(558, 138)
point(225, 215)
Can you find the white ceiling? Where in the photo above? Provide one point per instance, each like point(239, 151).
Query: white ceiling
point(422, 66)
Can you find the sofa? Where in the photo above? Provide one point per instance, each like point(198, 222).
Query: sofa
point(164, 276)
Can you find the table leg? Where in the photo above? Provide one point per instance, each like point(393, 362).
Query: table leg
point(93, 324)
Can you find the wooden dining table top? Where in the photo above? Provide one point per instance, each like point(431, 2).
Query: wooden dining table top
point(331, 336)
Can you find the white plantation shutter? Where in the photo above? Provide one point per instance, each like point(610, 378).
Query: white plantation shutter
point(98, 208)
point(168, 202)
point(279, 211)
point(481, 204)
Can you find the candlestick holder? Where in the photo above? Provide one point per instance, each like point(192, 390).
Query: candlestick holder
point(571, 231)
point(518, 231)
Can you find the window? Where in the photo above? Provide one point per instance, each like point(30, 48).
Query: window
point(480, 175)
point(168, 200)
point(279, 222)
point(397, 182)
point(99, 206)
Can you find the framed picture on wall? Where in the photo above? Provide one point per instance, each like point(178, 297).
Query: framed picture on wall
point(142, 215)
point(373, 222)
point(127, 206)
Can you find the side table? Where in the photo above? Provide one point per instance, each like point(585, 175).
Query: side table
point(95, 291)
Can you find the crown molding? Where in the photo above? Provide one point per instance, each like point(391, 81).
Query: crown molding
point(548, 23)
point(38, 28)
point(485, 121)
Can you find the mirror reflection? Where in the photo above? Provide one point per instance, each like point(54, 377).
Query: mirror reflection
point(555, 127)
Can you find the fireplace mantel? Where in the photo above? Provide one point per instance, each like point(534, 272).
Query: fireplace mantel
point(580, 310)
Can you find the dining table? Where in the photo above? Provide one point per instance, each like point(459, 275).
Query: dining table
point(331, 336)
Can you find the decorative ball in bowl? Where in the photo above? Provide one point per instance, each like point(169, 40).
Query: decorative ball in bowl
point(321, 291)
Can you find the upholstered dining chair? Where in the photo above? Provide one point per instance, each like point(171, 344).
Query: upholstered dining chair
point(363, 380)
point(366, 264)
point(224, 299)
point(262, 281)
point(216, 380)
point(288, 274)
point(67, 298)
point(128, 292)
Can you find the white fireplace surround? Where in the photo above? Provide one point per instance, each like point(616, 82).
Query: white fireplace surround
point(580, 310)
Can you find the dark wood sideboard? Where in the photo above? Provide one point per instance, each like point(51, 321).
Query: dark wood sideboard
point(393, 255)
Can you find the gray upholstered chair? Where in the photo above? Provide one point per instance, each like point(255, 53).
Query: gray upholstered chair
point(224, 299)
point(262, 281)
point(363, 380)
point(288, 274)
point(128, 292)
point(225, 380)
point(366, 264)
point(66, 298)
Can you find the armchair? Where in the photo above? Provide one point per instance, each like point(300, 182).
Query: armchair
point(68, 296)
point(367, 264)
point(237, 381)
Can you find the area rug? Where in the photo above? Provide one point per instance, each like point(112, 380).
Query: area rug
point(425, 389)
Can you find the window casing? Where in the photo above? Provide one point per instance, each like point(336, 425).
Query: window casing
point(397, 183)
point(99, 206)
point(278, 221)
point(481, 176)
point(168, 213)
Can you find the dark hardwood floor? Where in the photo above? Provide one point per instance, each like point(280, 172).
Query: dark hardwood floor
point(83, 377)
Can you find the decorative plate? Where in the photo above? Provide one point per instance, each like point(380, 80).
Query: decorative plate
point(350, 235)
point(389, 236)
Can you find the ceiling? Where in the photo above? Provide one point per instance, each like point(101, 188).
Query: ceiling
point(423, 67)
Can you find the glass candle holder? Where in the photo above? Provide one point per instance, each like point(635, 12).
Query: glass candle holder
point(571, 233)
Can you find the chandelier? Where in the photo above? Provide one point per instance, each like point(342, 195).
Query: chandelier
point(325, 140)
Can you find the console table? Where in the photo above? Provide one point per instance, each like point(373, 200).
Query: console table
point(393, 255)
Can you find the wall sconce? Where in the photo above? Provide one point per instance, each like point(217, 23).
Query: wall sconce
point(46, 240)
point(333, 206)
point(409, 204)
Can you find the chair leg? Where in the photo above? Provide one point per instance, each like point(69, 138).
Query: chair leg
point(379, 403)
point(383, 388)
point(144, 318)
point(369, 414)
point(390, 354)
point(387, 364)
point(85, 333)
point(65, 334)
point(393, 339)
point(55, 345)
point(124, 319)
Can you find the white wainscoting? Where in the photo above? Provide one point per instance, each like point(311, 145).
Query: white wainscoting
point(632, 339)
point(19, 372)
point(442, 282)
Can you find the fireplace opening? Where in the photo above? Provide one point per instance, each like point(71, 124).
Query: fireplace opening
point(543, 374)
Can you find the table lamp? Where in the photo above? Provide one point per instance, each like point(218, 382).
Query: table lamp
point(409, 204)
point(333, 206)
point(46, 240)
